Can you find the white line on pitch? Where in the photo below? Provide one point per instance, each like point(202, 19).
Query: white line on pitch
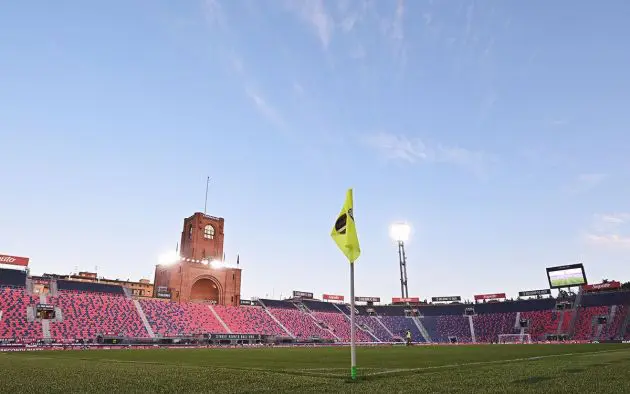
point(534, 358)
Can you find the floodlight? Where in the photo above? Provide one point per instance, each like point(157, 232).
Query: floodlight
point(216, 264)
point(168, 258)
point(400, 232)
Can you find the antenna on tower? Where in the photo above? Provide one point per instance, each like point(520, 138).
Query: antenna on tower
point(205, 205)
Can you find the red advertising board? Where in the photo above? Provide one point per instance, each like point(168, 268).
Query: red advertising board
point(496, 296)
point(602, 286)
point(332, 297)
point(14, 260)
point(398, 300)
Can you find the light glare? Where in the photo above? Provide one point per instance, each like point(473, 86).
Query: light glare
point(168, 258)
point(400, 232)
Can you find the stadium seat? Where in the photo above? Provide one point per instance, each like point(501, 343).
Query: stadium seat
point(249, 320)
point(13, 323)
point(300, 324)
point(340, 325)
point(170, 319)
point(86, 315)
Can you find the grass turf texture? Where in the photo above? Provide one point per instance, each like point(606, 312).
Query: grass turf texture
point(489, 368)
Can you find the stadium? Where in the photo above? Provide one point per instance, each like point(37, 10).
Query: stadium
point(192, 314)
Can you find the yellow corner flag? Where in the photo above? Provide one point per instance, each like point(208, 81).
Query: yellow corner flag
point(344, 232)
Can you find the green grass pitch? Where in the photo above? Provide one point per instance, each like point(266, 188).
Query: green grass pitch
point(464, 369)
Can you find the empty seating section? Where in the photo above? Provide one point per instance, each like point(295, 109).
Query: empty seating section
point(89, 287)
point(248, 320)
point(375, 327)
point(299, 324)
point(541, 323)
point(89, 309)
point(454, 326)
point(321, 306)
point(85, 315)
point(489, 326)
point(340, 325)
point(399, 325)
point(172, 319)
point(10, 277)
point(13, 322)
point(586, 325)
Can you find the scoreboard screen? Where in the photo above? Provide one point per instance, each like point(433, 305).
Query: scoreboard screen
point(566, 276)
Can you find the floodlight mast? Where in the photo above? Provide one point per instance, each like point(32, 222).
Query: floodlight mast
point(400, 233)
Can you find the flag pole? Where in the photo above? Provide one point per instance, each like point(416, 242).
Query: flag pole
point(353, 349)
point(205, 205)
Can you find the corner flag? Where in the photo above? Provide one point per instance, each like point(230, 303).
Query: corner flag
point(344, 232)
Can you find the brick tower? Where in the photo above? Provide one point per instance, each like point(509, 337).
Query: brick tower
point(200, 273)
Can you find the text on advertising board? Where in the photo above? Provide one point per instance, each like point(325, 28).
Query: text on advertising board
point(235, 336)
point(302, 294)
point(446, 299)
point(398, 300)
point(529, 293)
point(332, 297)
point(602, 286)
point(245, 302)
point(495, 296)
point(14, 260)
point(367, 299)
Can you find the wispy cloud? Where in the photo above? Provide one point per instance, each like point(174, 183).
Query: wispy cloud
point(610, 229)
point(266, 110)
point(609, 240)
point(414, 150)
point(587, 181)
point(314, 13)
point(213, 13)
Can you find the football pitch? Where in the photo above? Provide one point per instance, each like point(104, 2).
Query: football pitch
point(465, 369)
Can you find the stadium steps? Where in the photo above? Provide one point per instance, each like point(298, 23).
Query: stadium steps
point(517, 321)
point(275, 319)
point(624, 326)
point(53, 290)
point(561, 321)
point(574, 316)
point(144, 319)
point(45, 329)
point(611, 319)
point(422, 329)
point(378, 320)
point(30, 314)
point(29, 286)
point(473, 338)
point(304, 309)
point(216, 315)
point(370, 333)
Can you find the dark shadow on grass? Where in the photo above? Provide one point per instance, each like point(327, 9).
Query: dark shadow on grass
point(532, 380)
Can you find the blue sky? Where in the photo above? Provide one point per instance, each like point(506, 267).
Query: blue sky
point(499, 129)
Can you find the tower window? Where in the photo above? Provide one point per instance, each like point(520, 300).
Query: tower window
point(208, 232)
point(190, 231)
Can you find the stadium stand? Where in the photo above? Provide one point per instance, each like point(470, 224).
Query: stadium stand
point(13, 308)
point(452, 326)
point(170, 319)
point(340, 325)
point(375, 327)
point(248, 320)
point(14, 278)
point(89, 287)
point(541, 323)
point(88, 314)
point(489, 326)
point(299, 324)
point(399, 325)
point(585, 326)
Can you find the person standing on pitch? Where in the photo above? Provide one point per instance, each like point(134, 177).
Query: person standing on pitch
point(408, 338)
